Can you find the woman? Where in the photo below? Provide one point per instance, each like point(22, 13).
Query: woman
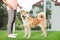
point(11, 9)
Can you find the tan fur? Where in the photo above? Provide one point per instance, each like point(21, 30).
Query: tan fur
point(40, 21)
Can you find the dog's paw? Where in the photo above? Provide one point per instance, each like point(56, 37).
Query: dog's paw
point(45, 36)
point(28, 37)
point(42, 34)
point(24, 36)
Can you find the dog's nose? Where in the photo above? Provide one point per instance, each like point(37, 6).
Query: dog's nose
point(23, 16)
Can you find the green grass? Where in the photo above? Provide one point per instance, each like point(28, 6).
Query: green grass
point(52, 35)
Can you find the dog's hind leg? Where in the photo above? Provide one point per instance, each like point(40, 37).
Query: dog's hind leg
point(44, 31)
point(43, 28)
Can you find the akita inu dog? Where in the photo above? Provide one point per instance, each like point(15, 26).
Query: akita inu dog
point(29, 22)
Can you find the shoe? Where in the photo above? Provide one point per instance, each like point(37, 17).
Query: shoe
point(15, 34)
point(11, 36)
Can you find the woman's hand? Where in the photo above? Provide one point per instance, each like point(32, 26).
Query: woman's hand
point(19, 6)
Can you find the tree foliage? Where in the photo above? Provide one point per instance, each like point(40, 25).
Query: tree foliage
point(3, 15)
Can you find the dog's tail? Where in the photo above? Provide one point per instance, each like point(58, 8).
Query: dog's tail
point(41, 16)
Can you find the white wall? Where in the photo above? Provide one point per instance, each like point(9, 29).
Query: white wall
point(56, 18)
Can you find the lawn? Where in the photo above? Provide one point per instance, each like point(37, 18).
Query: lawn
point(35, 35)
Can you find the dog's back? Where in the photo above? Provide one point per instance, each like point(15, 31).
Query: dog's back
point(35, 21)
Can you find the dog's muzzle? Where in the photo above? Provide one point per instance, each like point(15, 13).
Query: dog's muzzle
point(23, 16)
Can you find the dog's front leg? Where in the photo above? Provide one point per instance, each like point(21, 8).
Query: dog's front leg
point(29, 33)
point(25, 29)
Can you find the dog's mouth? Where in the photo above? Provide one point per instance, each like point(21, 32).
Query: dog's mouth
point(23, 16)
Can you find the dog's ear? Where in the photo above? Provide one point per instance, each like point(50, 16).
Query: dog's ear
point(22, 11)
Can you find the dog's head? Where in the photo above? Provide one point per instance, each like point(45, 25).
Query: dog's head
point(24, 14)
